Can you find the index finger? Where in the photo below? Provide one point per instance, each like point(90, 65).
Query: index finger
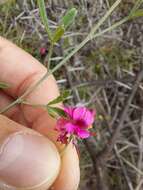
point(21, 70)
point(17, 67)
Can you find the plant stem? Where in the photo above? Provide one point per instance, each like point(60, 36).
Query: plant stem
point(33, 105)
point(47, 60)
point(102, 20)
point(136, 6)
point(28, 91)
point(64, 61)
point(117, 24)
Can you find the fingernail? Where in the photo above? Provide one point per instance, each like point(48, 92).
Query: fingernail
point(28, 160)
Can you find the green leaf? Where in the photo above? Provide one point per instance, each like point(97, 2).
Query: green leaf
point(60, 98)
point(136, 14)
point(3, 85)
point(44, 18)
point(69, 17)
point(65, 94)
point(58, 34)
point(56, 101)
point(54, 112)
point(67, 20)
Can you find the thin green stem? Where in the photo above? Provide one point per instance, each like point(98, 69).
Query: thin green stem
point(103, 19)
point(117, 24)
point(21, 98)
point(136, 6)
point(47, 61)
point(33, 105)
point(64, 61)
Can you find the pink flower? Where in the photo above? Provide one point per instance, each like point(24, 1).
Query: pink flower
point(77, 123)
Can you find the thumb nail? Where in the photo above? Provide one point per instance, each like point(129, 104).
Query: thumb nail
point(28, 161)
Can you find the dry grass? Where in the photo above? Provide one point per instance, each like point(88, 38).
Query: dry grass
point(100, 76)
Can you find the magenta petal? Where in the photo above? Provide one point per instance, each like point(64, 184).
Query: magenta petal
point(79, 113)
point(69, 127)
point(83, 133)
point(89, 118)
point(69, 111)
point(84, 115)
point(61, 122)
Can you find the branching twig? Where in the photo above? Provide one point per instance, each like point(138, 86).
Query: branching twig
point(107, 150)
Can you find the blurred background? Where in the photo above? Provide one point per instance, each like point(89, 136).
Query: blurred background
point(103, 75)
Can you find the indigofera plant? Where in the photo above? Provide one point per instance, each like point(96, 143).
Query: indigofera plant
point(72, 122)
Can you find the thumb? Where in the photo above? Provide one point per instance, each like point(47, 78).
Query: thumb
point(28, 161)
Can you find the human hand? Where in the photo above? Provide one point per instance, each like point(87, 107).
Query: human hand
point(28, 160)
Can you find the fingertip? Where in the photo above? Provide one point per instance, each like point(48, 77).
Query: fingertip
point(27, 160)
point(68, 178)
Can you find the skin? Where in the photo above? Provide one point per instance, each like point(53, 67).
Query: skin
point(24, 124)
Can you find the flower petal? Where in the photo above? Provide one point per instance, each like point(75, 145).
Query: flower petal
point(69, 111)
point(61, 124)
point(78, 113)
point(69, 127)
point(83, 114)
point(83, 133)
point(89, 117)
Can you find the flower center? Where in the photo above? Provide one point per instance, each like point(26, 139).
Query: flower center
point(80, 123)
